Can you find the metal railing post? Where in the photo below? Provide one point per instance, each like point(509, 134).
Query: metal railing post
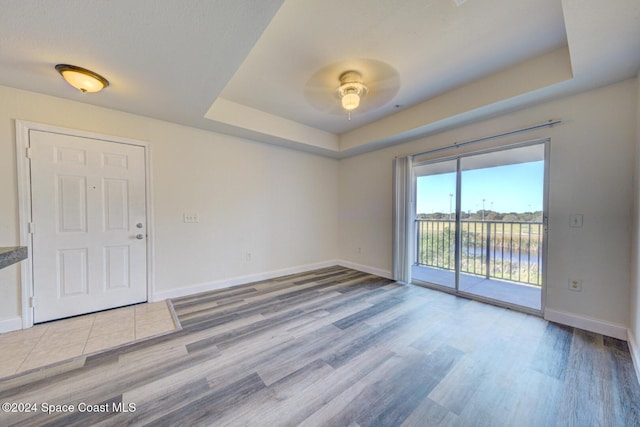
point(488, 259)
point(418, 225)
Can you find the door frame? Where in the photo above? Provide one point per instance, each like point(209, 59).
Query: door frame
point(546, 143)
point(23, 129)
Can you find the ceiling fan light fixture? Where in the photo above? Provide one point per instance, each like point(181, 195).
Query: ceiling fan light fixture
point(81, 78)
point(351, 90)
point(350, 101)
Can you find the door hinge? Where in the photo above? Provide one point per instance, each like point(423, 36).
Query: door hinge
point(33, 301)
point(29, 152)
point(30, 228)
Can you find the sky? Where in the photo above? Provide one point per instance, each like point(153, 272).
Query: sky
point(511, 188)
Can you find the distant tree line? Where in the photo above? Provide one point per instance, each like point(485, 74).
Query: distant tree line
point(489, 215)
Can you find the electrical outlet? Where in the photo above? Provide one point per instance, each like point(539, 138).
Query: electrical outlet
point(359, 250)
point(190, 217)
point(247, 256)
point(575, 285)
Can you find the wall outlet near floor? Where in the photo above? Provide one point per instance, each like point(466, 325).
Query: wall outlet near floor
point(247, 256)
point(575, 285)
point(190, 217)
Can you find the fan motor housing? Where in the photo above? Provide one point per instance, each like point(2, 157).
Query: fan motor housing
point(351, 83)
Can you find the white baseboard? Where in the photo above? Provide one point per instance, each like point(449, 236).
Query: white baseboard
point(238, 280)
point(241, 280)
point(594, 325)
point(635, 353)
point(10, 324)
point(365, 268)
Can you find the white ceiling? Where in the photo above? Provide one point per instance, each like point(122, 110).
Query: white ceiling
point(165, 59)
point(434, 45)
point(257, 69)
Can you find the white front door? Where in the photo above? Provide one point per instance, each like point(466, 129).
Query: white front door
point(89, 224)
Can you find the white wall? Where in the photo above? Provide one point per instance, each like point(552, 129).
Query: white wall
point(591, 168)
point(634, 306)
point(281, 205)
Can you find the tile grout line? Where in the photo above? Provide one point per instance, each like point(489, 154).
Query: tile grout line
point(135, 323)
point(88, 336)
point(40, 338)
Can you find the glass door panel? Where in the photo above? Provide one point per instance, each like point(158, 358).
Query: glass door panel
point(435, 223)
point(501, 225)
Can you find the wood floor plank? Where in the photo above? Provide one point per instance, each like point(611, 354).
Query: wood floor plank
point(335, 387)
point(428, 413)
point(309, 349)
point(625, 388)
point(88, 417)
point(552, 356)
point(367, 313)
point(208, 408)
point(339, 347)
point(162, 402)
point(280, 400)
point(406, 389)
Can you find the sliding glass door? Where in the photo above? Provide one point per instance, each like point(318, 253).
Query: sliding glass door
point(480, 225)
point(436, 223)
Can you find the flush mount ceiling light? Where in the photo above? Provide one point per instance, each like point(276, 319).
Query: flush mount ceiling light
point(81, 78)
point(351, 90)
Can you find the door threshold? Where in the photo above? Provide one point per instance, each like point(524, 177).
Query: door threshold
point(479, 298)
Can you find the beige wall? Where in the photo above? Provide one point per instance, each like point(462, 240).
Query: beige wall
point(634, 308)
point(281, 205)
point(591, 168)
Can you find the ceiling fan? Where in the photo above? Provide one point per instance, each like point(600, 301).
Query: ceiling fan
point(352, 86)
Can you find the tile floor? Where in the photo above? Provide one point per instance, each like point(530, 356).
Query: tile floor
point(53, 342)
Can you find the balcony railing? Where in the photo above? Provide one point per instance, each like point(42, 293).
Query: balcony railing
point(502, 250)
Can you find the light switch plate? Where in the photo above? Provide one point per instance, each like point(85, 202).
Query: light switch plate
point(575, 220)
point(190, 217)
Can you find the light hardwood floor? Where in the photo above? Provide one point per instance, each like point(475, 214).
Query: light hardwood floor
point(337, 347)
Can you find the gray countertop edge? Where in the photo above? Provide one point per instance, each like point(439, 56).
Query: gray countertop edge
point(12, 255)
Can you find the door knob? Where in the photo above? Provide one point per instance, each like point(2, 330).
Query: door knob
point(139, 225)
point(139, 236)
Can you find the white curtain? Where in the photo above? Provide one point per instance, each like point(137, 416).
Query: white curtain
point(402, 218)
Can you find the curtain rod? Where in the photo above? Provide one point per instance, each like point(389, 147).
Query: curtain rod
point(548, 123)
